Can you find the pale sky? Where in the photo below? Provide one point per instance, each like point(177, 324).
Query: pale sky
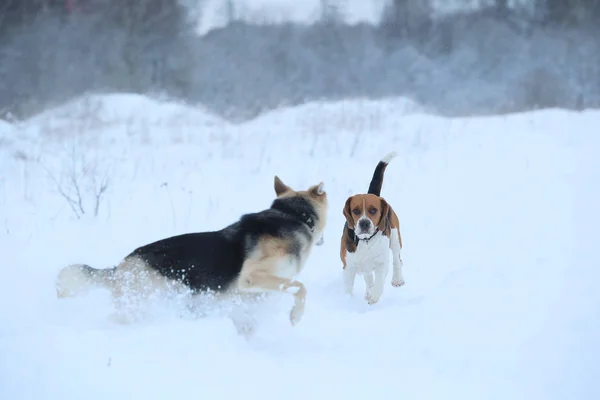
point(214, 12)
point(307, 11)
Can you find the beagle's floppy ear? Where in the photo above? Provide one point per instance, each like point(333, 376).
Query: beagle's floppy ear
point(384, 220)
point(348, 213)
point(280, 187)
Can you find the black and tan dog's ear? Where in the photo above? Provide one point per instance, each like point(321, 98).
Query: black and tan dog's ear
point(384, 220)
point(280, 187)
point(317, 190)
point(348, 213)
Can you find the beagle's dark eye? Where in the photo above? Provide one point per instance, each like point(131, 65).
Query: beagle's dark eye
point(356, 211)
point(372, 210)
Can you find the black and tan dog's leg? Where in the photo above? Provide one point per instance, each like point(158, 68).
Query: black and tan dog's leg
point(261, 280)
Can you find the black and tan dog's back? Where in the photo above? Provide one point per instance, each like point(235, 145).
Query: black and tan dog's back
point(261, 252)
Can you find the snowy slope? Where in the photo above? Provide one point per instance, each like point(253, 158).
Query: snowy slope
point(500, 300)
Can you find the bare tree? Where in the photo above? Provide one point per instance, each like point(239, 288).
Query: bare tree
point(81, 184)
point(332, 11)
point(502, 9)
point(408, 19)
point(570, 12)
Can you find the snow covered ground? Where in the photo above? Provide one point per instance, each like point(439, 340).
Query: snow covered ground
point(497, 216)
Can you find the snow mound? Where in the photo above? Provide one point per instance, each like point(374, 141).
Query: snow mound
point(99, 111)
point(122, 107)
point(113, 119)
point(356, 115)
point(499, 301)
point(6, 129)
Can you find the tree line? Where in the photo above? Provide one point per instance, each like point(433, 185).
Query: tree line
point(415, 17)
point(133, 13)
point(400, 12)
point(497, 56)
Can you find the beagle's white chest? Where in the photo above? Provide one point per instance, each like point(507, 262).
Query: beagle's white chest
point(369, 255)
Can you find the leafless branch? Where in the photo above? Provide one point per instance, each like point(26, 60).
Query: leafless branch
point(72, 202)
point(100, 192)
point(75, 185)
point(81, 183)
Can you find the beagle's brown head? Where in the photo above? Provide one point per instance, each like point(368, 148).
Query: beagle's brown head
point(365, 213)
point(315, 196)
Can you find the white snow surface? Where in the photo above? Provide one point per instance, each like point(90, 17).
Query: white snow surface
point(498, 218)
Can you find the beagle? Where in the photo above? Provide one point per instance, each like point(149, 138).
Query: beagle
point(372, 228)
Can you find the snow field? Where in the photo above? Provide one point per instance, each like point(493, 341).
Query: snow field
point(498, 301)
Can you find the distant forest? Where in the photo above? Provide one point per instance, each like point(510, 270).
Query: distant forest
point(498, 56)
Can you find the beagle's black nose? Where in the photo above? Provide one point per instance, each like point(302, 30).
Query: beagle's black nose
point(364, 224)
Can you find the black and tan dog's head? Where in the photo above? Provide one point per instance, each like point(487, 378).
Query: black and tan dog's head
point(365, 213)
point(314, 196)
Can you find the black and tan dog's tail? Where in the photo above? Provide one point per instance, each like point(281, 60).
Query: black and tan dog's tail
point(79, 278)
point(377, 180)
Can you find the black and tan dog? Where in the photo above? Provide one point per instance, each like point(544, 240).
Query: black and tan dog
point(261, 252)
